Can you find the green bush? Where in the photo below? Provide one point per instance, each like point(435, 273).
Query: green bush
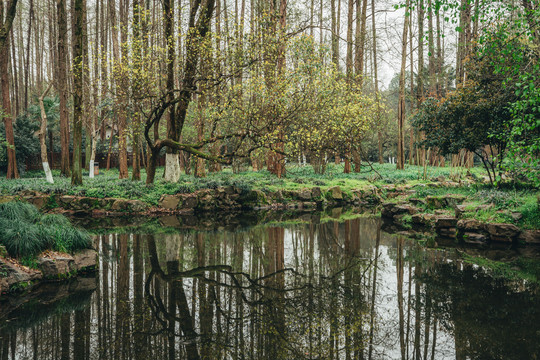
point(18, 211)
point(25, 232)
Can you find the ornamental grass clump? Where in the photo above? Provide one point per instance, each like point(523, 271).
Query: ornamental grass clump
point(25, 232)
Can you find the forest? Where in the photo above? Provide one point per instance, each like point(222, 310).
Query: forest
point(270, 179)
point(201, 85)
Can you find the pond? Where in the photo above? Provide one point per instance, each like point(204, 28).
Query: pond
point(307, 288)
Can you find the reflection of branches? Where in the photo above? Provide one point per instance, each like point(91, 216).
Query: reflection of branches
point(269, 298)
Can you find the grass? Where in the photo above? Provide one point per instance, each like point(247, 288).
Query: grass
point(107, 183)
point(24, 232)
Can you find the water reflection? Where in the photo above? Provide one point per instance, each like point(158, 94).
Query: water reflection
point(307, 291)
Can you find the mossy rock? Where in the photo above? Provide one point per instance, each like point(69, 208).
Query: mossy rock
point(253, 198)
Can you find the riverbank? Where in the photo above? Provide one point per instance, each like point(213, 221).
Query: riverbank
point(50, 266)
point(413, 204)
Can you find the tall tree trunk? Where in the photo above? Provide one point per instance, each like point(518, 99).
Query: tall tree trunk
point(349, 59)
point(334, 35)
point(136, 122)
point(62, 87)
point(6, 23)
point(411, 53)
point(361, 15)
point(43, 135)
point(401, 106)
point(376, 82)
point(77, 65)
point(27, 61)
point(172, 164)
point(431, 54)
point(12, 171)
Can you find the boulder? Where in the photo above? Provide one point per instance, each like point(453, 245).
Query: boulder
point(169, 202)
point(85, 259)
point(10, 274)
point(439, 202)
point(391, 210)
point(516, 216)
point(503, 232)
point(405, 209)
point(434, 202)
point(119, 205)
point(316, 192)
point(57, 266)
point(419, 219)
point(459, 210)
point(530, 236)
point(188, 201)
point(335, 193)
point(68, 201)
point(417, 202)
point(470, 225)
point(207, 202)
point(304, 194)
point(137, 206)
point(38, 201)
point(445, 222)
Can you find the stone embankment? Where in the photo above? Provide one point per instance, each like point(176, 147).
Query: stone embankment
point(51, 266)
point(223, 198)
point(432, 213)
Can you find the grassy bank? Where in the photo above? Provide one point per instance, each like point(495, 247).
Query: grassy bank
point(503, 202)
point(107, 183)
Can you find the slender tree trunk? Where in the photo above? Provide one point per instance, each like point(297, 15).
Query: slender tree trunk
point(136, 122)
point(411, 131)
point(6, 23)
point(334, 36)
point(349, 59)
point(12, 171)
point(172, 165)
point(431, 55)
point(43, 135)
point(27, 61)
point(77, 66)
point(376, 82)
point(401, 106)
point(62, 87)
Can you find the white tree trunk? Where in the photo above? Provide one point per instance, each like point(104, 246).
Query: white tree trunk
point(172, 168)
point(48, 172)
point(42, 134)
point(91, 169)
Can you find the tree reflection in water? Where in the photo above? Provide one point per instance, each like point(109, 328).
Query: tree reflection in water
point(308, 291)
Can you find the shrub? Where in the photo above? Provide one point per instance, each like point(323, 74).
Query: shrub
point(25, 232)
point(18, 211)
point(23, 239)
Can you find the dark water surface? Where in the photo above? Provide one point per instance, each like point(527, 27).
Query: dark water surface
point(312, 290)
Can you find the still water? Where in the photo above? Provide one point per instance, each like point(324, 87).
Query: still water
point(280, 290)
